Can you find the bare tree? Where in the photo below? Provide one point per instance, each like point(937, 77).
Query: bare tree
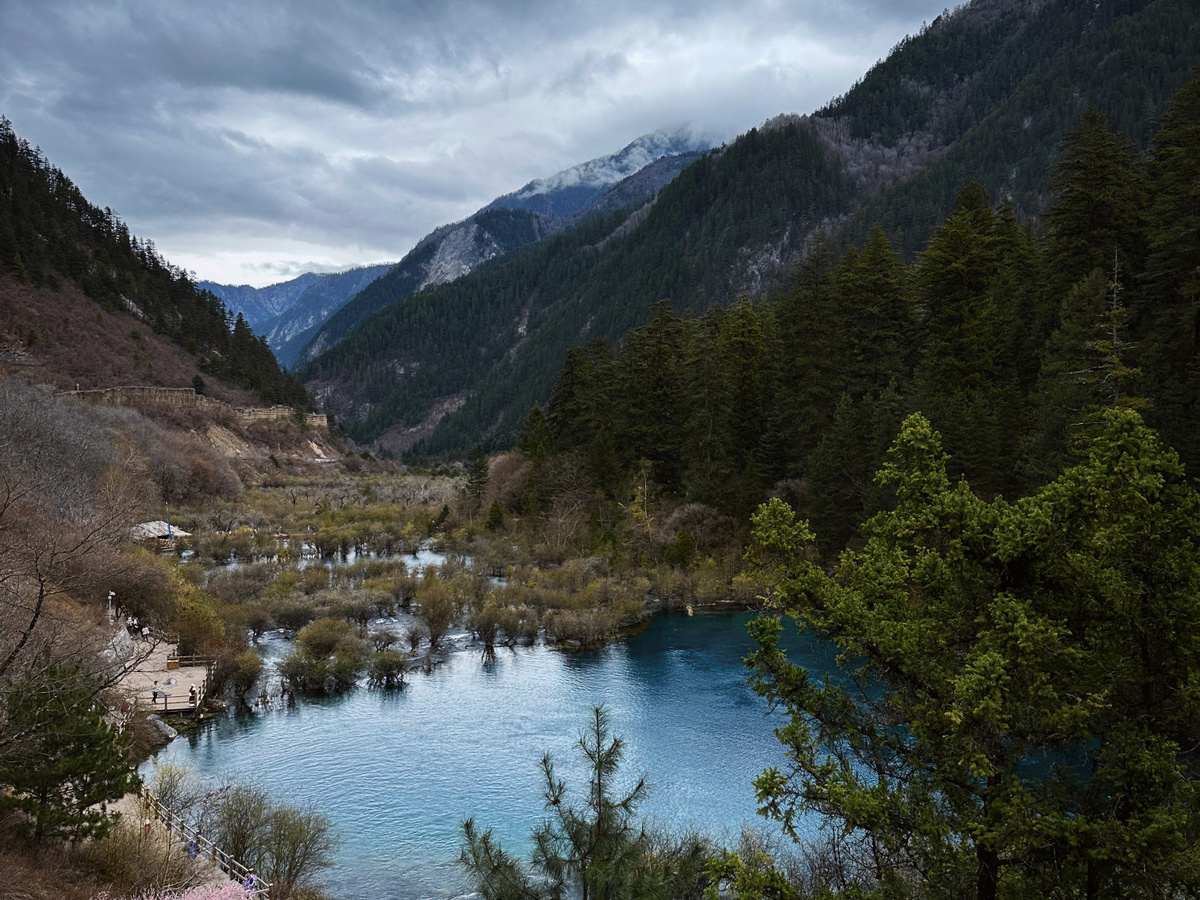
point(65, 504)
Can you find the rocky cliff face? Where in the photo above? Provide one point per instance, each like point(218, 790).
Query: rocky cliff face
point(463, 247)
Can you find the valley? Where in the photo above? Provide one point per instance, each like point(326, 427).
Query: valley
point(832, 484)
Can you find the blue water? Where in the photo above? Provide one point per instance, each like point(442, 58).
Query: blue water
point(398, 772)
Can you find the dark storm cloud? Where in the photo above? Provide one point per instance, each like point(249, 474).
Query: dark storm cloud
point(246, 138)
point(134, 48)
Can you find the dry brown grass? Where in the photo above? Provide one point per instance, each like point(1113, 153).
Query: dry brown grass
point(125, 863)
point(45, 876)
point(64, 339)
point(128, 862)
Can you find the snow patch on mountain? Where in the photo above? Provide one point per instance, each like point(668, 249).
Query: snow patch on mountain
point(571, 189)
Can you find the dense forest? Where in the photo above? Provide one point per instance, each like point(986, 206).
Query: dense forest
point(519, 317)
point(50, 234)
point(980, 469)
point(985, 94)
point(1009, 342)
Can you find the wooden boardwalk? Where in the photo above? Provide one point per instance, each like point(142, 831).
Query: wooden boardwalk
point(163, 682)
point(199, 847)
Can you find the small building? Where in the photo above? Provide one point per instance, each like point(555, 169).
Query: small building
point(158, 532)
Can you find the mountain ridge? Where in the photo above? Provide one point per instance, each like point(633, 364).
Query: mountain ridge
point(742, 217)
point(256, 304)
point(569, 191)
point(550, 205)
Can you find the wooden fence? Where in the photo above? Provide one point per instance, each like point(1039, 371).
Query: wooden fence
point(184, 703)
point(198, 845)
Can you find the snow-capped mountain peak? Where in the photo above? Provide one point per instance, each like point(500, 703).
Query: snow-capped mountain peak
point(608, 170)
point(563, 193)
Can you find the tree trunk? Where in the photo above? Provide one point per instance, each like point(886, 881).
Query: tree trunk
point(987, 877)
point(1093, 879)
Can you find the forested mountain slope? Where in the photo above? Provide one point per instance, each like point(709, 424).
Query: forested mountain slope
point(983, 94)
point(291, 330)
point(1011, 345)
point(54, 243)
point(1000, 118)
point(542, 208)
point(448, 253)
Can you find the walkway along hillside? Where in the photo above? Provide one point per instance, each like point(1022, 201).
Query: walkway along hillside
point(162, 681)
point(197, 845)
point(146, 396)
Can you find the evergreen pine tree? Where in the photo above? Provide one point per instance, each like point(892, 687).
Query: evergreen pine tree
point(477, 476)
point(596, 850)
point(651, 388)
point(874, 316)
point(534, 440)
point(71, 764)
point(1099, 206)
point(1168, 312)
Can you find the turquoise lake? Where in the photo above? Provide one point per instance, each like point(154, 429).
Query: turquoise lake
point(399, 771)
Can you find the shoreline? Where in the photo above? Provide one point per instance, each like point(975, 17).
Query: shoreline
point(212, 708)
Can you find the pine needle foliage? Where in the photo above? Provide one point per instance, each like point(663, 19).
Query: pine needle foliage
point(596, 851)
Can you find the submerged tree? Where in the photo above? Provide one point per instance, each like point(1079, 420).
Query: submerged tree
point(598, 851)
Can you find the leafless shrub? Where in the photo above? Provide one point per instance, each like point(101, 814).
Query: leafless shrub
point(709, 529)
point(404, 590)
point(436, 608)
point(584, 627)
point(180, 790)
point(519, 623)
point(133, 863)
point(414, 634)
point(243, 583)
point(293, 615)
point(142, 586)
point(507, 477)
point(384, 639)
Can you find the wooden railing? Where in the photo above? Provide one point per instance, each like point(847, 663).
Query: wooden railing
point(198, 845)
point(183, 704)
point(175, 661)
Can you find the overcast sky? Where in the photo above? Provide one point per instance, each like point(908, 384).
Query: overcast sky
point(252, 141)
